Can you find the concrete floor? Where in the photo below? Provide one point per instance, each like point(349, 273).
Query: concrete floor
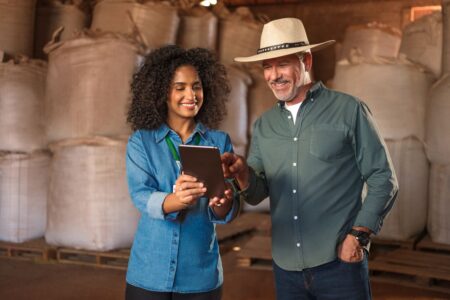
point(52, 281)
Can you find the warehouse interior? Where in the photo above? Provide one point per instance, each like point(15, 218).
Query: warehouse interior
point(66, 219)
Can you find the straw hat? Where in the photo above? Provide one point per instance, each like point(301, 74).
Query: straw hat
point(283, 37)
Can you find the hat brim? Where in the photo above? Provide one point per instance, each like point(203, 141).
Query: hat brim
point(283, 52)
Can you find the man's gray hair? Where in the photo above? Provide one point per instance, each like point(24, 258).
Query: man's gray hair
point(301, 55)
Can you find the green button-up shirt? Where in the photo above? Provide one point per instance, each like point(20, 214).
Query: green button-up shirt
point(314, 171)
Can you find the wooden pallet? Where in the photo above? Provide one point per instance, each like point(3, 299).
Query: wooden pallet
point(245, 223)
point(111, 259)
point(426, 244)
point(406, 244)
point(419, 269)
point(256, 254)
point(31, 250)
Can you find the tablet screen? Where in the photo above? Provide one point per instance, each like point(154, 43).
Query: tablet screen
point(204, 163)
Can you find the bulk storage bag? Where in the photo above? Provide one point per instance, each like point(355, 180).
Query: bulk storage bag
point(395, 91)
point(22, 96)
point(408, 216)
point(198, 28)
point(52, 14)
point(445, 37)
point(371, 40)
point(439, 204)
point(23, 195)
point(88, 85)
point(422, 42)
point(157, 22)
point(438, 122)
point(260, 96)
point(89, 205)
point(17, 26)
point(235, 122)
point(239, 35)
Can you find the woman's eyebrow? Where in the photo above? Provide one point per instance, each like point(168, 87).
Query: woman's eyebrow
point(184, 83)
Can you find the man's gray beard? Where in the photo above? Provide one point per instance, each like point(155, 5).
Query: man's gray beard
point(290, 97)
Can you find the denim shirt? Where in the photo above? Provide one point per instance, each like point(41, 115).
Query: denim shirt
point(169, 254)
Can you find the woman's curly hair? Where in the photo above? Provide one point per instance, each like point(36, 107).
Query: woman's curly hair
point(151, 86)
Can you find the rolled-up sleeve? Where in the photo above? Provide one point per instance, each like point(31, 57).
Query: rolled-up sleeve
point(234, 211)
point(377, 169)
point(257, 189)
point(142, 183)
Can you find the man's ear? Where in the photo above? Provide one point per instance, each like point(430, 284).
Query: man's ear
point(307, 60)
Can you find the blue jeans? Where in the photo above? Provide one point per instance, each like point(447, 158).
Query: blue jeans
point(334, 280)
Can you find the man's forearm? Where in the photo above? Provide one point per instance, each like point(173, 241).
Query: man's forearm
point(257, 189)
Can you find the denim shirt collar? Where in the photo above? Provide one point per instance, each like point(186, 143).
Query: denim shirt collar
point(164, 130)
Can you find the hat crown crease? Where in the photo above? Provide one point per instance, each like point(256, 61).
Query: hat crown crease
point(282, 31)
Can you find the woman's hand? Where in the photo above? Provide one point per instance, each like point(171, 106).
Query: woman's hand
point(222, 206)
point(186, 192)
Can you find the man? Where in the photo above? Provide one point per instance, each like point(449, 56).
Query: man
point(312, 154)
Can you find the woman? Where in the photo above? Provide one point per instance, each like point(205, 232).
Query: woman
point(178, 95)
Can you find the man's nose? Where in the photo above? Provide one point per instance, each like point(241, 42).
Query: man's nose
point(273, 74)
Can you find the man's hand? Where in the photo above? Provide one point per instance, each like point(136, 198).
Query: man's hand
point(234, 165)
point(350, 250)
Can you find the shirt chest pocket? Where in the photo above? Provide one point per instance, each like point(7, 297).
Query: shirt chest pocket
point(329, 142)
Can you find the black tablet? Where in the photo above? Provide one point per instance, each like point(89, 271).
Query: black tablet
point(204, 163)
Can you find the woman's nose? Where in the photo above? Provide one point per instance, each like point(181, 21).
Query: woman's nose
point(190, 93)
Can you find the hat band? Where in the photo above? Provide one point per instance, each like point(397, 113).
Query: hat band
point(281, 46)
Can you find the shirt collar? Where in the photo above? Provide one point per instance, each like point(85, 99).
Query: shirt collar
point(316, 87)
point(200, 129)
point(164, 130)
point(312, 92)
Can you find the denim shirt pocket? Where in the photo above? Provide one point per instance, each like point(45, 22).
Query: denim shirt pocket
point(329, 141)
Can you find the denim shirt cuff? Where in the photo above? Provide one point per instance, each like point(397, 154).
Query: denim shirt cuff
point(154, 207)
point(369, 220)
point(230, 215)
